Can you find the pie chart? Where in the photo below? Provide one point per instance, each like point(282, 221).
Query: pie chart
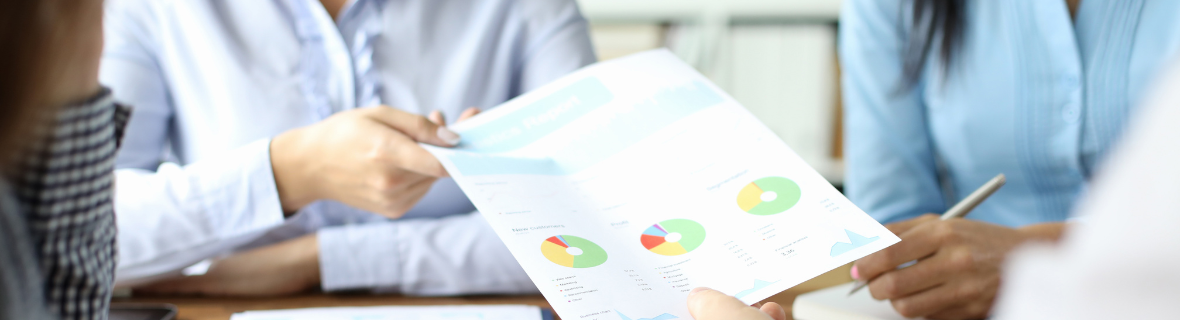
point(769, 195)
point(573, 252)
point(673, 237)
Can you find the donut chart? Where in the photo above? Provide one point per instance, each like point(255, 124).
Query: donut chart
point(673, 237)
point(573, 252)
point(769, 195)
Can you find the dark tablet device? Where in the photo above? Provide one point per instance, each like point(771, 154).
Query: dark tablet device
point(142, 311)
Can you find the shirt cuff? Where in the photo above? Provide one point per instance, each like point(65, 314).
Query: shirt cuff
point(262, 208)
point(360, 256)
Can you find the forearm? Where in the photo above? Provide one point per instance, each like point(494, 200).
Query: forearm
point(445, 256)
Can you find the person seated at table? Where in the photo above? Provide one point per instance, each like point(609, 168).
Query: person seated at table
point(278, 138)
point(59, 131)
point(1115, 264)
point(942, 95)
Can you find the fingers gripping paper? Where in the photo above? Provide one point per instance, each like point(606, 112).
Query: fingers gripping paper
point(624, 185)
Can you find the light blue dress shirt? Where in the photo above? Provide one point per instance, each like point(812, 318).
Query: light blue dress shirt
point(1032, 94)
point(213, 81)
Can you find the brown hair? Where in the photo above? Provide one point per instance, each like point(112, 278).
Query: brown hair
point(32, 34)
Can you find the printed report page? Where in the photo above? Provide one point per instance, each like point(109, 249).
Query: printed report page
point(626, 184)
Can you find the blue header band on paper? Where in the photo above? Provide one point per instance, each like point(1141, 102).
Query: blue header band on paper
point(627, 127)
point(537, 120)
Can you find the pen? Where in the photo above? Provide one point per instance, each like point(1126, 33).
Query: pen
point(957, 211)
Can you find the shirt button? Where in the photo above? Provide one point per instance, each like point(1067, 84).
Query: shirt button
point(1071, 113)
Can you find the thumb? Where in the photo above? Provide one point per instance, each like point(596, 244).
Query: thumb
point(709, 304)
point(415, 126)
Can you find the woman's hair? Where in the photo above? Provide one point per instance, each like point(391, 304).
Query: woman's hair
point(29, 31)
point(932, 19)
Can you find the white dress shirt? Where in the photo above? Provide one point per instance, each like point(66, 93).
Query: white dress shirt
point(212, 81)
point(1119, 261)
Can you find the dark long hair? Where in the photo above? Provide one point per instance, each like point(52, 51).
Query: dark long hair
point(933, 20)
point(30, 31)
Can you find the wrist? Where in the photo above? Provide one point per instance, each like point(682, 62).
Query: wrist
point(310, 261)
point(293, 185)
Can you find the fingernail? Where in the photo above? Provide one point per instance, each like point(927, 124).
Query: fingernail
point(855, 274)
point(448, 136)
point(697, 289)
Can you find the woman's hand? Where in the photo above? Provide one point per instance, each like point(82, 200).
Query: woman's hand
point(958, 269)
point(367, 158)
point(709, 304)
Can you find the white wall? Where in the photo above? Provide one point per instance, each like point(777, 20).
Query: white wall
point(776, 57)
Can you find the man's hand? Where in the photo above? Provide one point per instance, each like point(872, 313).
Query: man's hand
point(280, 269)
point(367, 158)
point(709, 304)
point(958, 269)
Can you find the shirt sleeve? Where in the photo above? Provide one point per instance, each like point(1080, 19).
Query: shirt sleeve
point(172, 216)
point(890, 169)
point(559, 42)
point(454, 255)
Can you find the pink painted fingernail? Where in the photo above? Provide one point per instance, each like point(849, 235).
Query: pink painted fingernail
point(855, 275)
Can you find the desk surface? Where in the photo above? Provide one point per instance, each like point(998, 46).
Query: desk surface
point(206, 308)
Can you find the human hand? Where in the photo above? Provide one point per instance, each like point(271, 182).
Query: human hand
point(284, 268)
point(958, 269)
point(437, 117)
point(709, 304)
point(368, 158)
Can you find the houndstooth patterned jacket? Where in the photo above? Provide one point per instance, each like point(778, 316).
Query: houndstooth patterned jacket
point(65, 188)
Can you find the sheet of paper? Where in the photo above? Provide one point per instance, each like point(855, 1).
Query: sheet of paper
point(835, 304)
point(624, 185)
point(464, 312)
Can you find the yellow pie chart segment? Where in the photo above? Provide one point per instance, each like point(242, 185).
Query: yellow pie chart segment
point(749, 197)
point(557, 254)
point(669, 249)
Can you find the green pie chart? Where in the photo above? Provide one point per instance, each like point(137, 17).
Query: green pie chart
point(769, 195)
point(573, 252)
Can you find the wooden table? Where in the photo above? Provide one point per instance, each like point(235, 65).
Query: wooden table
point(200, 308)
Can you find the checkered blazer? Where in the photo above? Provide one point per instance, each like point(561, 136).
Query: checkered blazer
point(65, 188)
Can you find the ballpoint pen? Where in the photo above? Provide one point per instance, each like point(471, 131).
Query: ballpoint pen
point(957, 211)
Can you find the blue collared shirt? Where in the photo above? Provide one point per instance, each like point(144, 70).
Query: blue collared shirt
point(1031, 94)
point(213, 81)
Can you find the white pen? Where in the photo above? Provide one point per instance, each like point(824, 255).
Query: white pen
point(958, 211)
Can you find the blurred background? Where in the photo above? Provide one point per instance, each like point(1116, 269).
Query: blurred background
point(776, 57)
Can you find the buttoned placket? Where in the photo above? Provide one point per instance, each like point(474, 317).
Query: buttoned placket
point(367, 14)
